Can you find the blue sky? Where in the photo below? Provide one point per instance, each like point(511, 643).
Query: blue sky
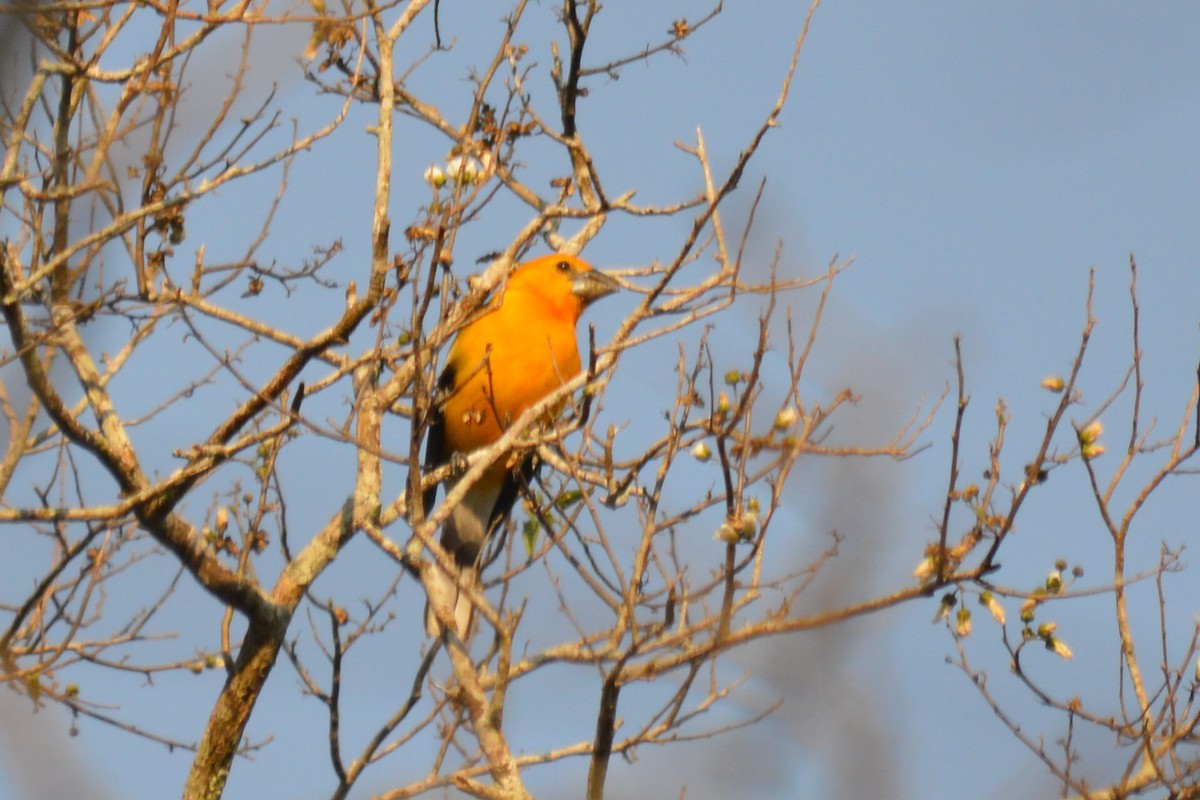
point(976, 161)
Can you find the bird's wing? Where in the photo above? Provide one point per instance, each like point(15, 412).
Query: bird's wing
point(517, 482)
point(435, 436)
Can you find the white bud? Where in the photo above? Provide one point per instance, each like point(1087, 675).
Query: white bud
point(434, 176)
point(786, 418)
point(1060, 648)
point(962, 623)
point(993, 606)
point(924, 570)
point(1054, 582)
point(463, 169)
point(1091, 433)
point(1053, 383)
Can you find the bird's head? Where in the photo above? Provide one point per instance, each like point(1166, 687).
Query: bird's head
point(567, 283)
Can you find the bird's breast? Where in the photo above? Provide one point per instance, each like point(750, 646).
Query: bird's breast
point(502, 372)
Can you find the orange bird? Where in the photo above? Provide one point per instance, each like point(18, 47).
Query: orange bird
point(519, 351)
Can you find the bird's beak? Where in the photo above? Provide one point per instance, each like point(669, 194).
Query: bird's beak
point(592, 285)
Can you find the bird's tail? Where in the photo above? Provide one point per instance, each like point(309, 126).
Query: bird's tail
point(444, 591)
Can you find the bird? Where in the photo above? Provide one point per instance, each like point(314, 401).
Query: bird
point(521, 349)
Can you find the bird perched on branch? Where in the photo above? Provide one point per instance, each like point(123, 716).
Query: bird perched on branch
point(520, 350)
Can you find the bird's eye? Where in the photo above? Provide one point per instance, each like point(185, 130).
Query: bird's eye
point(563, 266)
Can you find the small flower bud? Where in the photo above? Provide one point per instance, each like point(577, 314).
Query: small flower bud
point(723, 407)
point(962, 623)
point(434, 176)
point(727, 533)
point(947, 602)
point(925, 570)
point(732, 377)
point(1091, 433)
point(993, 606)
point(1090, 451)
point(701, 452)
point(1054, 582)
point(786, 418)
point(1054, 383)
point(1027, 609)
point(463, 170)
point(1060, 649)
point(748, 526)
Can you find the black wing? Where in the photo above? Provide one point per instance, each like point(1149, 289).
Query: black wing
point(518, 482)
point(435, 437)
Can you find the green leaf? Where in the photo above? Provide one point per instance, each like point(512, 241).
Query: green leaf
point(529, 535)
point(568, 498)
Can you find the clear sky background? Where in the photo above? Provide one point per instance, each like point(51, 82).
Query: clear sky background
point(976, 161)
